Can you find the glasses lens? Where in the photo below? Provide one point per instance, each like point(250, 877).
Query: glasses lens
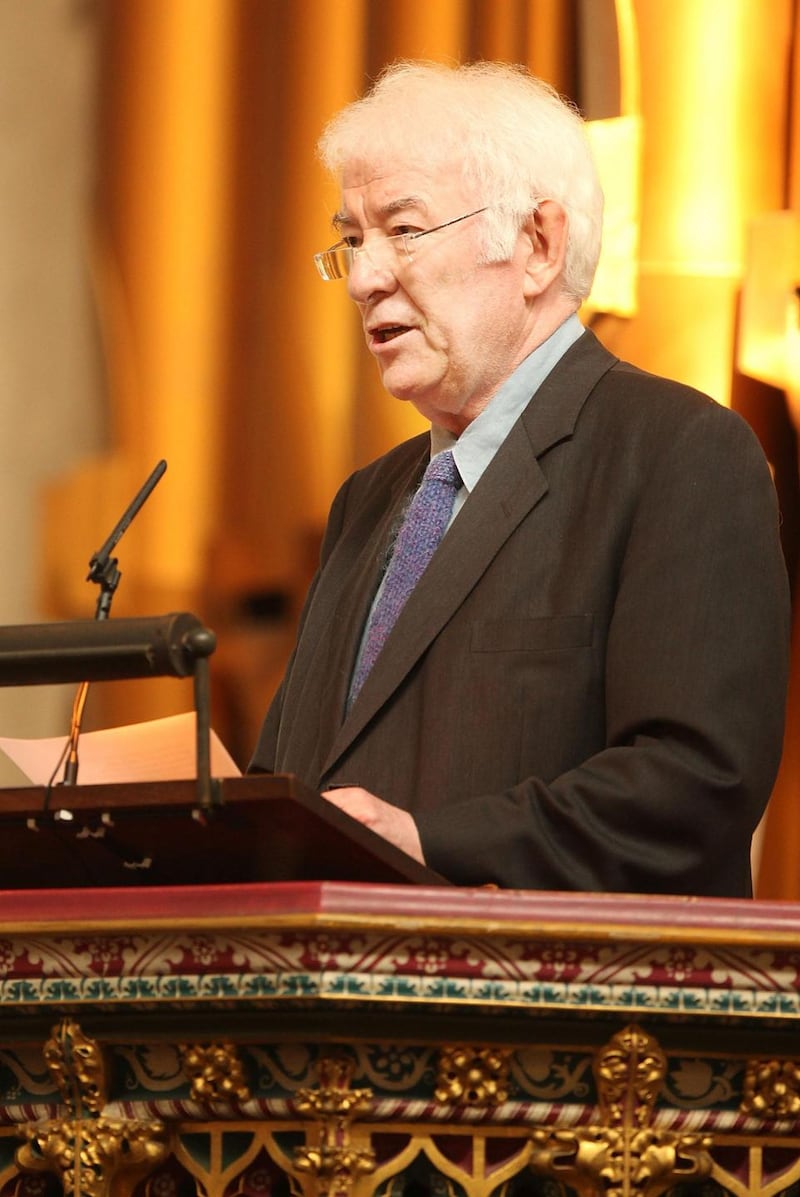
point(334, 263)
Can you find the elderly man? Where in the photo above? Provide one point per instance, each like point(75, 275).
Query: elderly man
point(562, 664)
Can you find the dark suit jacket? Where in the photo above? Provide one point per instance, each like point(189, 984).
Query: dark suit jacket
point(586, 690)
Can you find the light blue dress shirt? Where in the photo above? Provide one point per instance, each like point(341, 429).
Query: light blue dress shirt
point(480, 440)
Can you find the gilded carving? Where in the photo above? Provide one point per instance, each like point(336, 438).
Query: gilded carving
point(623, 1155)
point(85, 1148)
point(772, 1089)
point(334, 1160)
point(88, 1153)
point(77, 1065)
point(473, 1076)
point(629, 1072)
point(215, 1071)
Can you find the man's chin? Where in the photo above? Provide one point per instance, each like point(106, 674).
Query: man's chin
point(420, 393)
point(399, 388)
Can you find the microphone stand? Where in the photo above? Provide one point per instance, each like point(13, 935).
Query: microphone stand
point(103, 569)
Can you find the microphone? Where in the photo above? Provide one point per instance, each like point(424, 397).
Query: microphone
point(102, 566)
point(103, 569)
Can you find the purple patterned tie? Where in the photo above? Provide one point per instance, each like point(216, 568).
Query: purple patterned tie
point(424, 526)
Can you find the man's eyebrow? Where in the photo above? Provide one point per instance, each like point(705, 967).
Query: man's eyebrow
point(391, 208)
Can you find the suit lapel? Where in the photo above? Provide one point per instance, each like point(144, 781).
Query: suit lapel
point(358, 575)
point(509, 489)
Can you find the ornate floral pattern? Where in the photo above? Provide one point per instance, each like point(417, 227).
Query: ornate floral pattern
point(258, 967)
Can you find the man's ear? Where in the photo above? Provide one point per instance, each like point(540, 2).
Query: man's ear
point(547, 229)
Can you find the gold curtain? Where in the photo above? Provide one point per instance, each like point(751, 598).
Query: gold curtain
point(226, 356)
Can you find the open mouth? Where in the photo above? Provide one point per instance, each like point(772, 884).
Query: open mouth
point(382, 335)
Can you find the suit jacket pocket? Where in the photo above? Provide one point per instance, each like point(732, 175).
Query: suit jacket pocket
point(548, 633)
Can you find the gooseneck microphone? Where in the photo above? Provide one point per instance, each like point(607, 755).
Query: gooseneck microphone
point(104, 570)
point(103, 567)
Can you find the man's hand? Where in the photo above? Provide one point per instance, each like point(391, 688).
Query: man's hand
point(388, 821)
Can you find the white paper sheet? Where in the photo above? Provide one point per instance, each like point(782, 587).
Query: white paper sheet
point(159, 750)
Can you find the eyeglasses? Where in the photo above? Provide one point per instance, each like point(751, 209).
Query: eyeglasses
point(337, 262)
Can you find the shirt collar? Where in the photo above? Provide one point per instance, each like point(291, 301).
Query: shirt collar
point(481, 439)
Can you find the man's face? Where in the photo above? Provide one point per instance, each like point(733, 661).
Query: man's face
point(445, 329)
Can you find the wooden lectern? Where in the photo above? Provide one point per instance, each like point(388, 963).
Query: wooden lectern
point(259, 828)
point(264, 828)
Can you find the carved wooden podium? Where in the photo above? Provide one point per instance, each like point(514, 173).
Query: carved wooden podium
point(236, 991)
point(354, 1038)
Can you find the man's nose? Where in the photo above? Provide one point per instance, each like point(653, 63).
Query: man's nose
point(374, 268)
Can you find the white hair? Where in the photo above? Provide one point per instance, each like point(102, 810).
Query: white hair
point(514, 139)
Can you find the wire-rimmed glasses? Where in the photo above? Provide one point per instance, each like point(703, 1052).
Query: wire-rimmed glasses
point(337, 262)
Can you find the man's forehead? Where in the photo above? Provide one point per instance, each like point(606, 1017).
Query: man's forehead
point(390, 205)
point(386, 192)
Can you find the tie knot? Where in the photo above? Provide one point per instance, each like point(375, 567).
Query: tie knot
point(443, 468)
